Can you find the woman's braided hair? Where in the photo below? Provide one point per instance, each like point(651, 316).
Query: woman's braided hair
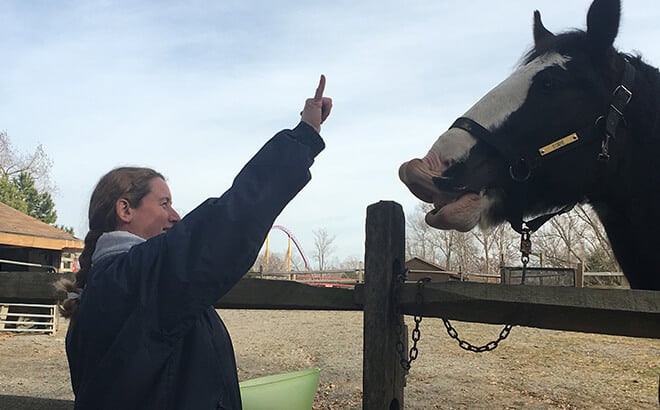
point(130, 183)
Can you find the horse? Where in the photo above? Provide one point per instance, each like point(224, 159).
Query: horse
point(577, 122)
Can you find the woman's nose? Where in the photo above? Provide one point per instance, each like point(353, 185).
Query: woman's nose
point(174, 216)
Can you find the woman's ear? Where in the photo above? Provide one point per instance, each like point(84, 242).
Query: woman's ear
point(123, 210)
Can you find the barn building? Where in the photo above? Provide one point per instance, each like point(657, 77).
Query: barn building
point(419, 268)
point(28, 244)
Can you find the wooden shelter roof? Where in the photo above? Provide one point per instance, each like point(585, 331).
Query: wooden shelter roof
point(418, 263)
point(19, 229)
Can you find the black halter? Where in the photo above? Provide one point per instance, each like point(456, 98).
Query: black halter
point(522, 164)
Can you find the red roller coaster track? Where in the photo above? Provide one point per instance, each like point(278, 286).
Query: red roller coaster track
point(295, 242)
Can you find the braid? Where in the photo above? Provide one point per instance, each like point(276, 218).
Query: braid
point(69, 306)
point(85, 258)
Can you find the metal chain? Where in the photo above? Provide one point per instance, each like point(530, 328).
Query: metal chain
point(406, 360)
point(525, 250)
point(477, 349)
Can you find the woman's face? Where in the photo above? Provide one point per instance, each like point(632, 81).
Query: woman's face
point(155, 214)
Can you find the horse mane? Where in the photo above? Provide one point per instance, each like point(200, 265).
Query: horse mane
point(562, 43)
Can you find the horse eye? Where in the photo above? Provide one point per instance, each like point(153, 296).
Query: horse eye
point(548, 84)
point(549, 80)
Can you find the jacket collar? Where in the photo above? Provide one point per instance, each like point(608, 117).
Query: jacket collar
point(114, 243)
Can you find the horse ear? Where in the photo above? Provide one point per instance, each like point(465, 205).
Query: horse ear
point(603, 23)
point(540, 32)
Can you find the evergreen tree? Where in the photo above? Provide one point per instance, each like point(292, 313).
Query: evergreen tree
point(39, 205)
point(67, 229)
point(21, 194)
point(10, 195)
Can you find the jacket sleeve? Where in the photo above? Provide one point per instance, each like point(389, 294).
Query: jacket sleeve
point(180, 273)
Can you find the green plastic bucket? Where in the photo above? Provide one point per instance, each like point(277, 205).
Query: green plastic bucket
point(285, 391)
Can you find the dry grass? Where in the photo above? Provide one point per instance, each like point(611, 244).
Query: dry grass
point(532, 369)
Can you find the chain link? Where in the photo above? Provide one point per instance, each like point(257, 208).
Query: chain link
point(525, 250)
point(406, 360)
point(477, 349)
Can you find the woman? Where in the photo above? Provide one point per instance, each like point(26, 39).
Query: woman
point(143, 332)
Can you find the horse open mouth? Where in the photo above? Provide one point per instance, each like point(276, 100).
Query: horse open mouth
point(456, 205)
point(462, 213)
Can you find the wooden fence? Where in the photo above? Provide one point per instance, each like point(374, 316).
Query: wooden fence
point(607, 311)
point(28, 317)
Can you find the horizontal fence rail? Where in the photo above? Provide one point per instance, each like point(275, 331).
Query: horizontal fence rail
point(621, 312)
point(37, 287)
point(280, 294)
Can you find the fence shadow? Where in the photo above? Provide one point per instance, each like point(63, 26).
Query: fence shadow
point(33, 403)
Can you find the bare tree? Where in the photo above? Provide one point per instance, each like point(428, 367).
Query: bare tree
point(577, 236)
point(273, 264)
point(446, 243)
point(455, 250)
point(297, 262)
point(351, 263)
point(496, 243)
point(37, 164)
point(507, 244)
point(563, 241)
point(467, 254)
point(323, 247)
point(419, 235)
point(600, 255)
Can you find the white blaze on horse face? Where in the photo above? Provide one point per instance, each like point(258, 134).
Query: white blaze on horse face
point(492, 110)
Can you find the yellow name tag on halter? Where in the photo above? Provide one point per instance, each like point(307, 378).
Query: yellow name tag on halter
point(554, 146)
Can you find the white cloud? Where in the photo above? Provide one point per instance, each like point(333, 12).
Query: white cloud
point(195, 88)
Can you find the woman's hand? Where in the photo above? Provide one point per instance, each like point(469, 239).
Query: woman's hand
point(317, 109)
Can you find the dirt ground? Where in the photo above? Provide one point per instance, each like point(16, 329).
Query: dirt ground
point(532, 369)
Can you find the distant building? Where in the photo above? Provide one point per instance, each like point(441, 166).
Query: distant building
point(28, 244)
point(420, 268)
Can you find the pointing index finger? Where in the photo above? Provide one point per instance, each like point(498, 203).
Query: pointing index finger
point(319, 90)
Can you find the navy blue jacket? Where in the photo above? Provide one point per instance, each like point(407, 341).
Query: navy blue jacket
point(145, 335)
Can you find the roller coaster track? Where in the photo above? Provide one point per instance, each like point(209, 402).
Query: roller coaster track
point(295, 242)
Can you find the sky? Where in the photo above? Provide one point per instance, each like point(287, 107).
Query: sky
point(195, 88)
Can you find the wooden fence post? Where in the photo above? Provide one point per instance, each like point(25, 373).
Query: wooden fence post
point(383, 377)
point(579, 275)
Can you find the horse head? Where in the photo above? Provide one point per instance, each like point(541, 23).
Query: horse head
point(531, 146)
point(577, 121)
